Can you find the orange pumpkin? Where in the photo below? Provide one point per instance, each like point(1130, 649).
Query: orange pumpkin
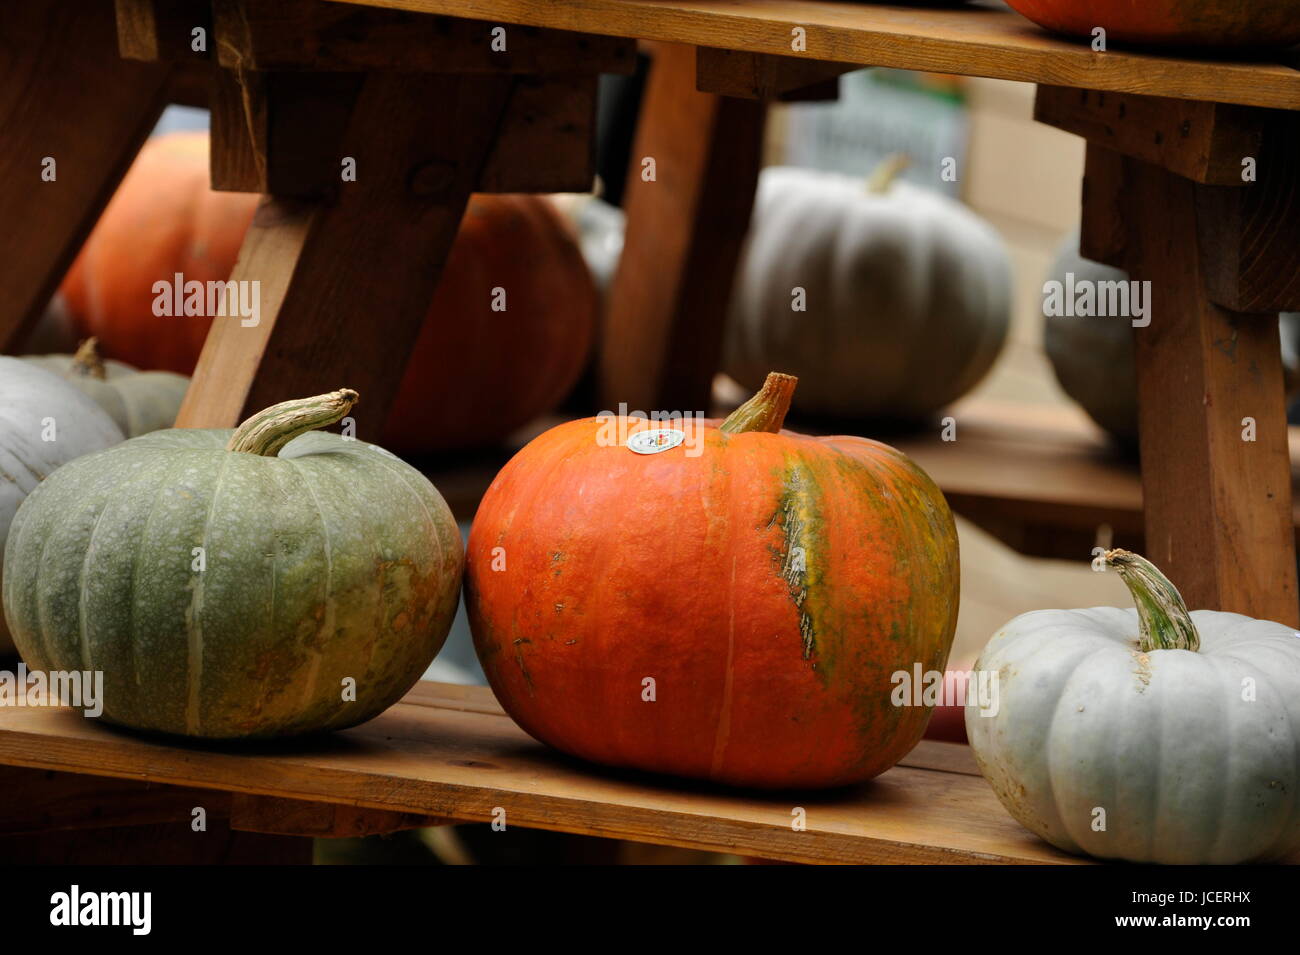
point(508, 366)
point(163, 219)
point(1223, 24)
point(732, 603)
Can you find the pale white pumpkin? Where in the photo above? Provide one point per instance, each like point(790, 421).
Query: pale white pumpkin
point(1149, 735)
point(137, 401)
point(907, 295)
point(599, 227)
point(36, 405)
point(1093, 357)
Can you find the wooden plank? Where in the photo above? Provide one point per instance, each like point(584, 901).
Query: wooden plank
point(548, 140)
point(310, 35)
point(157, 844)
point(294, 817)
point(662, 340)
point(67, 97)
point(762, 75)
point(1218, 507)
point(152, 30)
point(40, 801)
point(332, 273)
point(966, 40)
point(1202, 141)
point(1250, 235)
point(456, 761)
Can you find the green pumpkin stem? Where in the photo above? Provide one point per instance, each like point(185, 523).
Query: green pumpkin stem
point(766, 410)
point(269, 430)
point(88, 361)
point(1162, 615)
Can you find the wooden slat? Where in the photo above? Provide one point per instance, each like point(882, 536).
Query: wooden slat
point(311, 35)
point(274, 815)
point(967, 40)
point(662, 339)
point(761, 75)
point(66, 95)
point(464, 759)
point(1205, 142)
point(163, 29)
point(548, 116)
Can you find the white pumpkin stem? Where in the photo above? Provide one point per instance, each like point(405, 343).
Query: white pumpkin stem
point(765, 411)
point(883, 176)
point(88, 361)
point(1162, 615)
point(269, 430)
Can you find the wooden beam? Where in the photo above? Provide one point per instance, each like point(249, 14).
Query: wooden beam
point(1202, 141)
point(663, 336)
point(762, 75)
point(310, 35)
point(321, 820)
point(153, 30)
point(552, 117)
point(1216, 472)
point(345, 283)
point(70, 100)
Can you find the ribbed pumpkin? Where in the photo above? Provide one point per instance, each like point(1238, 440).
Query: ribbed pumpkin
point(230, 585)
point(44, 423)
point(517, 363)
point(137, 401)
point(163, 219)
point(1224, 24)
point(509, 366)
point(731, 607)
point(906, 294)
point(1149, 734)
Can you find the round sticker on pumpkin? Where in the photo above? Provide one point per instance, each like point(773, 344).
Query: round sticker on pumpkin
point(655, 440)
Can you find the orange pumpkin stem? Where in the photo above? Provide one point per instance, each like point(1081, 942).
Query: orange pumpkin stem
point(88, 361)
point(765, 411)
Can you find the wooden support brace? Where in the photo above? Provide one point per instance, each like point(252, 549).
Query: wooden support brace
point(1215, 467)
point(662, 341)
point(345, 283)
point(767, 76)
point(313, 35)
point(172, 30)
point(295, 817)
point(73, 116)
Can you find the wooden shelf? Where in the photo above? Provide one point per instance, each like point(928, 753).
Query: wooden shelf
point(450, 752)
point(967, 40)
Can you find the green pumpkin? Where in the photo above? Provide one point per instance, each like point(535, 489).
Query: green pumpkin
point(270, 582)
point(137, 401)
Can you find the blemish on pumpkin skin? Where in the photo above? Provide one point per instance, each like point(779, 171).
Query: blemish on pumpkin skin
point(519, 660)
point(1143, 671)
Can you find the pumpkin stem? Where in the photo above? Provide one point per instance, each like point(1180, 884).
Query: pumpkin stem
point(88, 361)
point(883, 176)
point(1162, 615)
point(766, 410)
point(269, 430)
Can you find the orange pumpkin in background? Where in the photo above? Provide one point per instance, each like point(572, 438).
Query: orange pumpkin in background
point(507, 366)
point(163, 219)
point(732, 607)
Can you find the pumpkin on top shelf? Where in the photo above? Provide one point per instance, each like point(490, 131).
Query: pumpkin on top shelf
point(261, 582)
point(509, 330)
point(45, 422)
point(1152, 735)
point(697, 599)
point(886, 300)
point(1207, 24)
point(137, 401)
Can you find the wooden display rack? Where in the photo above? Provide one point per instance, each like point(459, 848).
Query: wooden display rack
point(413, 91)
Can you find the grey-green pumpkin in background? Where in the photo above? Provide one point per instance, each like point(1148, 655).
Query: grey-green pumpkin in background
point(268, 582)
point(137, 401)
point(1093, 357)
